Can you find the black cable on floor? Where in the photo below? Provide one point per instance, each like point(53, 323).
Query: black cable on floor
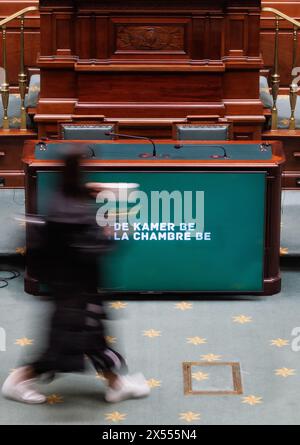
point(15, 201)
point(3, 283)
point(12, 274)
point(9, 275)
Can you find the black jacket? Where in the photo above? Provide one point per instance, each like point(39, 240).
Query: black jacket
point(68, 248)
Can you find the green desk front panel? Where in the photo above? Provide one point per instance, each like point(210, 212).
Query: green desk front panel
point(165, 151)
point(234, 214)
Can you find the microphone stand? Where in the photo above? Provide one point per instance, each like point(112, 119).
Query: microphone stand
point(154, 154)
point(225, 156)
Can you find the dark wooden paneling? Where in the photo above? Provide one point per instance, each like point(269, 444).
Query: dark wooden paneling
point(12, 179)
point(291, 180)
point(64, 35)
point(52, 88)
point(234, 88)
point(11, 149)
point(87, 36)
point(164, 87)
point(213, 39)
point(150, 59)
point(237, 37)
point(290, 141)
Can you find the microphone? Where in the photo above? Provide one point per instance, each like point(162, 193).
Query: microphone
point(265, 146)
point(92, 152)
point(216, 156)
point(42, 144)
point(135, 137)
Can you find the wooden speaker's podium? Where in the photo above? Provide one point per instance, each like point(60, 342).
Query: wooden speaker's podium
point(151, 61)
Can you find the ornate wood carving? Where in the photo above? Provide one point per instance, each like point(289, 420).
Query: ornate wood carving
point(150, 38)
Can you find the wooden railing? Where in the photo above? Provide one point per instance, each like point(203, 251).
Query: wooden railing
point(22, 75)
point(275, 77)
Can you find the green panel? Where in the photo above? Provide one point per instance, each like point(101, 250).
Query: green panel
point(164, 151)
point(234, 210)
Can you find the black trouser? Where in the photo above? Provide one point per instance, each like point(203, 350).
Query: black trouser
point(77, 331)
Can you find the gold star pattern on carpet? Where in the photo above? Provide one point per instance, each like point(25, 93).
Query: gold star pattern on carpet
point(183, 306)
point(33, 88)
point(196, 340)
point(189, 416)
point(284, 121)
point(110, 339)
point(284, 251)
point(118, 305)
point(54, 399)
point(24, 341)
point(252, 400)
point(21, 250)
point(200, 376)
point(100, 376)
point(284, 372)
point(14, 120)
point(153, 383)
point(242, 319)
point(115, 416)
point(151, 333)
point(279, 342)
point(211, 357)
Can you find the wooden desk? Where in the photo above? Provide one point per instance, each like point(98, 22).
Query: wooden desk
point(151, 59)
point(235, 200)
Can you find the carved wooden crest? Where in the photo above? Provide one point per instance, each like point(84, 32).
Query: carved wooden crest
point(150, 38)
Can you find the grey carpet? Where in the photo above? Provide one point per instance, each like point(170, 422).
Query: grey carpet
point(290, 227)
point(275, 397)
point(256, 333)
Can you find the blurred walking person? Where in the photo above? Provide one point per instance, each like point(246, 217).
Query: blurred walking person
point(67, 260)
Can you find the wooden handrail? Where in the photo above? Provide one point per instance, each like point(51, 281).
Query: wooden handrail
point(275, 78)
point(5, 93)
point(282, 15)
point(18, 14)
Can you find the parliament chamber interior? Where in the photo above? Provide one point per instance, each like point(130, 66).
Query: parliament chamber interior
point(149, 208)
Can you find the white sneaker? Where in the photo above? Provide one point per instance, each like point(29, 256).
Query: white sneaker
point(21, 391)
point(128, 387)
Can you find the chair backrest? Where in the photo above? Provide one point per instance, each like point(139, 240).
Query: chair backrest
point(204, 131)
point(33, 91)
point(87, 130)
point(264, 92)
